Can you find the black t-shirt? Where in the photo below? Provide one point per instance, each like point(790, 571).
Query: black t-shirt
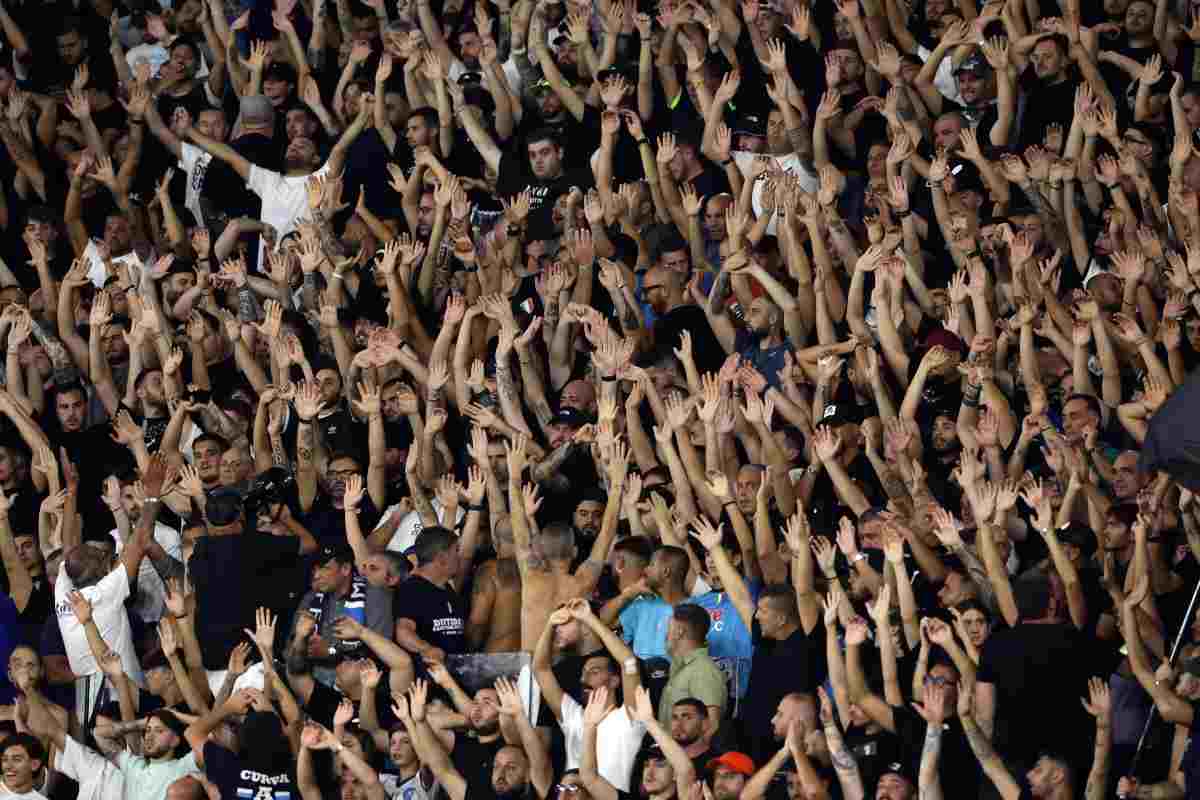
point(706, 348)
point(440, 614)
point(233, 575)
point(323, 703)
point(1046, 104)
point(794, 664)
point(236, 777)
point(826, 509)
point(957, 765)
point(473, 760)
point(1038, 677)
point(515, 176)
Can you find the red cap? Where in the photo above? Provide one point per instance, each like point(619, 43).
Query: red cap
point(738, 762)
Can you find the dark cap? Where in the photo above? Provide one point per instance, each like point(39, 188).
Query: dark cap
point(470, 78)
point(339, 553)
point(976, 64)
point(750, 125)
point(838, 414)
point(280, 71)
point(223, 506)
point(1080, 535)
point(609, 73)
point(901, 768)
point(571, 417)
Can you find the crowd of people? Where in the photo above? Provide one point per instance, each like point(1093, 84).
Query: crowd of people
point(693, 400)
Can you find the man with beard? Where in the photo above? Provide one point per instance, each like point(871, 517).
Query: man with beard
point(619, 734)
point(773, 322)
point(545, 561)
point(150, 602)
point(179, 86)
point(1049, 83)
point(338, 591)
point(285, 196)
point(663, 291)
point(516, 772)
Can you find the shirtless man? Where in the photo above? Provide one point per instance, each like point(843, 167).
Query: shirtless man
point(544, 561)
point(495, 623)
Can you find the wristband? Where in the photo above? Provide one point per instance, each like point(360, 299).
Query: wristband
point(726, 162)
point(631, 666)
point(609, 378)
point(479, 507)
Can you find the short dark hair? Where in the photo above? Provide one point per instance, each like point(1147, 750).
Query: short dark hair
point(432, 542)
point(783, 598)
point(219, 441)
point(676, 558)
point(1032, 592)
point(73, 24)
point(30, 743)
point(544, 134)
point(697, 705)
point(1092, 403)
point(427, 113)
point(637, 546)
point(694, 619)
point(183, 41)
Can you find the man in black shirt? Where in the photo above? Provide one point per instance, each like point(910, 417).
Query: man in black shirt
point(431, 619)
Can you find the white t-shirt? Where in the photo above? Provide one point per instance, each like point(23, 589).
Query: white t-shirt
point(14, 796)
point(108, 610)
point(145, 779)
point(194, 162)
point(618, 739)
point(151, 602)
point(98, 274)
point(943, 79)
point(284, 201)
point(98, 778)
point(790, 163)
point(410, 525)
point(411, 789)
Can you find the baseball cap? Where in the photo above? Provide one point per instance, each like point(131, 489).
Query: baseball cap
point(838, 414)
point(750, 124)
point(572, 417)
point(738, 762)
point(976, 64)
point(901, 768)
point(340, 553)
point(223, 506)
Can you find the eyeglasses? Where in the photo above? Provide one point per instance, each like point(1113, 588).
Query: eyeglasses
point(567, 788)
point(342, 473)
point(935, 680)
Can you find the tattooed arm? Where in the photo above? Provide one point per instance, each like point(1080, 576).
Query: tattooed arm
point(929, 782)
point(548, 467)
point(993, 767)
point(844, 763)
point(306, 468)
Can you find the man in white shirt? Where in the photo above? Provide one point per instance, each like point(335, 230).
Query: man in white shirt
point(619, 736)
point(285, 197)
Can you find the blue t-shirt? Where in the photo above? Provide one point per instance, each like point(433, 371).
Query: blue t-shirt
point(768, 362)
point(644, 626)
point(729, 641)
